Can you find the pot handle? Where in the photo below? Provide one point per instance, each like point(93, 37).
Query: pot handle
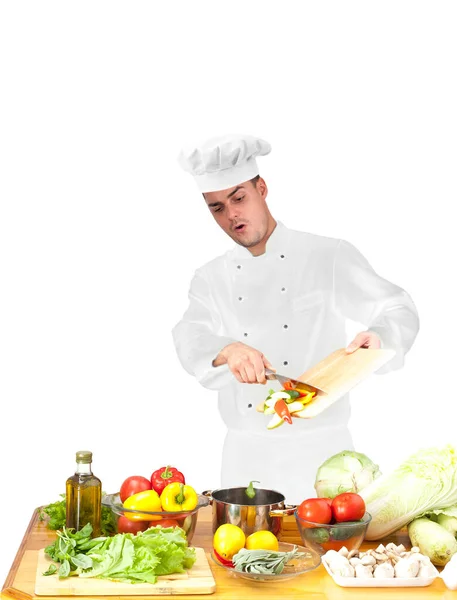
point(208, 494)
point(288, 510)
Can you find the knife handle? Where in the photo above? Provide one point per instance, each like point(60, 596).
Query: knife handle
point(269, 374)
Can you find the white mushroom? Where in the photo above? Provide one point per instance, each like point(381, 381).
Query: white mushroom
point(427, 570)
point(338, 564)
point(400, 548)
point(353, 553)
point(407, 567)
point(342, 569)
point(380, 549)
point(394, 558)
point(368, 560)
point(391, 547)
point(343, 551)
point(354, 561)
point(415, 549)
point(384, 571)
point(380, 557)
point(424, 560)
point(363, 571)
point(330, 554)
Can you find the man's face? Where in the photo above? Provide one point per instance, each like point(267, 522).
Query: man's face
point(241, 211)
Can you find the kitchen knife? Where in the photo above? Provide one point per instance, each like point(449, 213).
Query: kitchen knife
point(269, 374)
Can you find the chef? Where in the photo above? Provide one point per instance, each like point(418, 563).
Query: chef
point(278, 299)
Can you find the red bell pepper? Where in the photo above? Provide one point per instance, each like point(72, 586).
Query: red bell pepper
point(224, 561)
point(165, 475)
point(282, 410)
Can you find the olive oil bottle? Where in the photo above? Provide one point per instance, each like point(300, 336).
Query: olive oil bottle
point(84, 495)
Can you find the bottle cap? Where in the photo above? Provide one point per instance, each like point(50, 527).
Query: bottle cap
point(84, 456)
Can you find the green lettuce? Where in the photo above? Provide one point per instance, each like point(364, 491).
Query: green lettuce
point(425, 482)
point(122, 557)
point(141, 557)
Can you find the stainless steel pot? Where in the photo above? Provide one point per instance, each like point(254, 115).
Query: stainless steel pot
point(264, 511)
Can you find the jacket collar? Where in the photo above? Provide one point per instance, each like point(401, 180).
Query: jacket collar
point(276, 244)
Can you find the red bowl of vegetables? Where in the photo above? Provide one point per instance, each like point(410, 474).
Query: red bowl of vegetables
point(325, 524)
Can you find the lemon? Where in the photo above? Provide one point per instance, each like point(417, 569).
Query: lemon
point(262, 540)
point(228, 540)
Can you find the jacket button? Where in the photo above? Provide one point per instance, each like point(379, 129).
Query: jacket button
point(245, 334)
point(283, 290)
point(238, 266)
point(249, 405)
point(286, 326)
point(240, 298)
point(282, 256)
point(285, 363)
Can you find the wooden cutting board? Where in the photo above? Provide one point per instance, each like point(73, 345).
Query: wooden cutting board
point(198, 580)
point(337, 374)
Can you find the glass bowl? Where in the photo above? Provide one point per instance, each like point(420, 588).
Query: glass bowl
point(333, 536)
point(134, 520)
point(297, 566)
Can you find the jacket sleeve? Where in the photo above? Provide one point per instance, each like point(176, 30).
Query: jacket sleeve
point(362, 295)
point(196, 337)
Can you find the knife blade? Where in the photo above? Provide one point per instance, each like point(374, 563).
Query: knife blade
point(269, 374)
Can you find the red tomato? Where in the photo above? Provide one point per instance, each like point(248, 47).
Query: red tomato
point(316, 510)
point(165, 523)
point(328, 500)
point(134, 485)
point(348, 507)
point(125, 525)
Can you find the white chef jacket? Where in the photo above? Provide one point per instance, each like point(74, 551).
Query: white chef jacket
point(291, 304)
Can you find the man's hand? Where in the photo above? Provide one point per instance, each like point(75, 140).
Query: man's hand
point(365, 339)
point(246, 363)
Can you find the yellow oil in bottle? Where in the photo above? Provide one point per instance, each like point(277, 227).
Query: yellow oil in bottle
point(83, 495)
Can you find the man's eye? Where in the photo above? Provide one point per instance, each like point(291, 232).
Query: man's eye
point(217, 209)
point(239, 199)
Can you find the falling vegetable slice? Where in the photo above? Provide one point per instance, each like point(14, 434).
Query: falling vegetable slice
point(276, 421)
point(282, 410)
point(295, 406)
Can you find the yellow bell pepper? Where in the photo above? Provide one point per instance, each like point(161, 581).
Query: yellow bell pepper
point(307, 398)
point(178, 497)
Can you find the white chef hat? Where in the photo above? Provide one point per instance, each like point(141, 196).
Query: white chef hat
point(223, 162)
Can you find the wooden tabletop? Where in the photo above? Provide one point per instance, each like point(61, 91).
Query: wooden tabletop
point(315, 585)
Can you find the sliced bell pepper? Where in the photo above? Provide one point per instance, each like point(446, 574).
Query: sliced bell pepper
point(306, 397)
point(282, 410)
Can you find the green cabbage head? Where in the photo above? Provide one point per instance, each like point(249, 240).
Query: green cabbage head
point(347, 471)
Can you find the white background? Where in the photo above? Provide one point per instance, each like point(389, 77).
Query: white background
point(100, 230)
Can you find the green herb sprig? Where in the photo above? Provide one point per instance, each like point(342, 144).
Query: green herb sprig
point(69, 550)
point(263, 562)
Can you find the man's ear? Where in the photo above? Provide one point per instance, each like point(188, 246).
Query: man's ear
point(262, 187)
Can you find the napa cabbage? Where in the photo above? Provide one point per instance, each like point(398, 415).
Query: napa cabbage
point(424, 483)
